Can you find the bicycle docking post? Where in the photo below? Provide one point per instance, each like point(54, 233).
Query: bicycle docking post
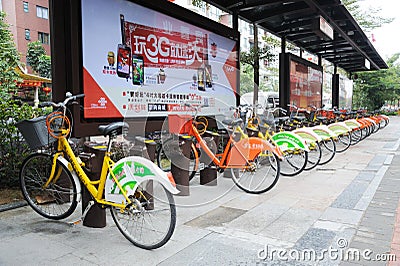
point(180, 165)
point(93, 216)
point(208, 175)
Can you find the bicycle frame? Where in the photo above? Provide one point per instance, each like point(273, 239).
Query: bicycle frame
point(236, 154)
point(74, 162)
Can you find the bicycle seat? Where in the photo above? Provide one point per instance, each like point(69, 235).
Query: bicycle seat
point(232, 122)
point(113, 129)
point(143, 140)
point(299, 118)
point(281, 120)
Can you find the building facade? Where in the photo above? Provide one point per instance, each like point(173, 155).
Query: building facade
point(29, 22)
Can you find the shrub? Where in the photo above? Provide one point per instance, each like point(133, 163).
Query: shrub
point(13, 148)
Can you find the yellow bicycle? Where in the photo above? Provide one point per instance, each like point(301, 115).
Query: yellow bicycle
point(138, 193)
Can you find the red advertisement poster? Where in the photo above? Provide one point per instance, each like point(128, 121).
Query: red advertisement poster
point(161, 48)
point(138, 62)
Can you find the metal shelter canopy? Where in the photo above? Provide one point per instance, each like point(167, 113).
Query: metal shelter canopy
point(295, 21)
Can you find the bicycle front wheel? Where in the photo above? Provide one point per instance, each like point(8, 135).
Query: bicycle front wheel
point(258, 176)
point(56, 201)
point(150, 221)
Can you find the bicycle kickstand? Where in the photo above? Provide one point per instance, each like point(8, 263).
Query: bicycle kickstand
point(90, 205)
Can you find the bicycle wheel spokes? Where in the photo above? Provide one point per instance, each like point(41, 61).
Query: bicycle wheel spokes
point(343, 142)
point(294, 162)
point(150, 221)
point(314, 156)
point(258, 176)
point(56, 201)
point(328, 149)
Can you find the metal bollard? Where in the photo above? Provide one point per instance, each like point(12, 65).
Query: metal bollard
point(96, 216)
point(180, 165)
point(208, 175)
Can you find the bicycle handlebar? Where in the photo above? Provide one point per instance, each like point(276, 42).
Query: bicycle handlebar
point(69, 98)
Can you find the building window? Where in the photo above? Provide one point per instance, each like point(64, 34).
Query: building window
point(251, 44)
point(42, 12)
point(251, 29)
point(27, 34)
point(44, 38)
point(26, 7)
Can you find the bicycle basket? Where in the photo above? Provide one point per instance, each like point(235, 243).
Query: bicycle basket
point(35, 132)
point(180, 124)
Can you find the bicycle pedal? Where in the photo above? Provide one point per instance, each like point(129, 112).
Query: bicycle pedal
point(202, 166)
point(75, 222)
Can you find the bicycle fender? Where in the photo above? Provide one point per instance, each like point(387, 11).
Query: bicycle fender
point(339, 128)
point(131, 172)
point(352, 123)
point(324, 132)
point(248, 149)
point(308, 134)
point(74, 176)
point(372, 121)
point(384, 117)
point(287, 140)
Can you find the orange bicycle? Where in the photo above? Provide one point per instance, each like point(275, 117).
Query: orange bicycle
point(250, 172)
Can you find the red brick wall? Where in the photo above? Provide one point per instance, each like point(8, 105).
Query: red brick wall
point(21, 20)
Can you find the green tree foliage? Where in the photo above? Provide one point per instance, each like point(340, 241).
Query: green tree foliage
point(9, 59)
point(372, 89)
point(34, 54)
point(12, 147)
point(44, 66)
point(367, 19)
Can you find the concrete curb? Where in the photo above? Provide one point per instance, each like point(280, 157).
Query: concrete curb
point(13, 205)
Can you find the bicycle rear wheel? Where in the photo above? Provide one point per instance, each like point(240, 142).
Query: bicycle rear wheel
point(343, 142)
point(260, 175)
point(150, 221)
point(294, 162)
point(356, 136)
point(59, 199)
point(328, 149)
point(164, 155)
point(314, 156)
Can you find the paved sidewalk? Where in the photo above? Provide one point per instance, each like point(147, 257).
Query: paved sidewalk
point(344, 213)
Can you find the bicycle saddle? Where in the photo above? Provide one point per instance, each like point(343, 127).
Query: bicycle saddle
point(113, 129)
point(232, 122)
point(281, 120)
point(143, 140)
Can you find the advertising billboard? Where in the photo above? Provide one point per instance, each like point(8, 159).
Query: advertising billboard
point(138, 62)
point(305, 83)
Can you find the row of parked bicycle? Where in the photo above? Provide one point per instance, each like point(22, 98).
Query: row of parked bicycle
point(261, 147)
point(255, 149)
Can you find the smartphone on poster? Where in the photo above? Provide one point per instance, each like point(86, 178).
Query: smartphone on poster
point(123, 61)
point(208, 76)
point(137, 69)
point(201, 79)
